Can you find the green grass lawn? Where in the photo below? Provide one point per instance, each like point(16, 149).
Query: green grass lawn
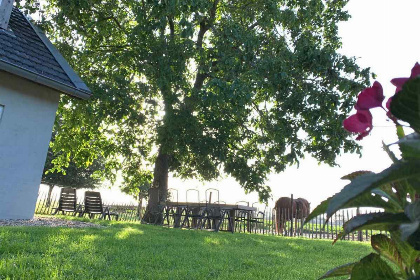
point(134, 251)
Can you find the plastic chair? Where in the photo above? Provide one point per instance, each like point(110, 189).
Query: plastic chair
point(67, 202)
point(93, 206)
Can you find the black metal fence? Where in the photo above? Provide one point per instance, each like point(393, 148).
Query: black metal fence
point(317, 228)
point(285, 222)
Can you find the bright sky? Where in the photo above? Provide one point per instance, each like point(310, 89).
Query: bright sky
point(382, 34)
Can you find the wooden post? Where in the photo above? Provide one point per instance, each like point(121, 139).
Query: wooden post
point(359, 233)
point(6, 7)
point(291, 215)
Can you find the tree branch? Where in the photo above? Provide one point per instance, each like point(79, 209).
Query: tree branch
point(171, 26)
point(205, 25)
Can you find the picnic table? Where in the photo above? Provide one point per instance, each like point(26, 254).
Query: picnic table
point(228, 209)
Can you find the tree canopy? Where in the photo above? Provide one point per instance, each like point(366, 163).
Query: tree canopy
point(204, 87)
point(72, 176)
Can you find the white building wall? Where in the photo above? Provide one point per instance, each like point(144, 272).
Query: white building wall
point(25, 132)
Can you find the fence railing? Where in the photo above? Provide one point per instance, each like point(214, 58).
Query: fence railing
point(318, 228)
point(285, 221)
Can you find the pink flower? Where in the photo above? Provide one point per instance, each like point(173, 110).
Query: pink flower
point(360, 123)
point(388, 103)
point(399, 82)
point(370, 97)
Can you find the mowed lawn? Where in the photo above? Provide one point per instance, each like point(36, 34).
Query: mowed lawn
point(133, 251)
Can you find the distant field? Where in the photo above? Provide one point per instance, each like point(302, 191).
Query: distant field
point(133, 251)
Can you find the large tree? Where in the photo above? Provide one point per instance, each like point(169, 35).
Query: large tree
point(200, 87)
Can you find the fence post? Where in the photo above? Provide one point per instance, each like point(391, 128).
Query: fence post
point(291, 215)
point(359, 233)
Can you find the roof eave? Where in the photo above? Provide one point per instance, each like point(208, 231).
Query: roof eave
point(45, 81)
point(75, 79)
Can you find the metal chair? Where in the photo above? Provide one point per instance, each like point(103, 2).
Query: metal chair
point(193, 215)
point(172, 212)
point(214, 215)
point(258, 219)
point(242, 216)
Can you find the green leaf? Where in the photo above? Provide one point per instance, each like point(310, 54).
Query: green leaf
point(414, 240)
point(364, 200)
point(339, 271)
point(374, 221)
point(372, 267)
point(389, 152)
point(387, 248)
point(400, 132)
point(413, 211)
point(410, 232)
point(366, 183)
point(412, 140)
point(407, 252)
point(388, 194)
point(355, 174)
point(319, 210)
point(409, 146)
point(408, 229)
point(405, 104)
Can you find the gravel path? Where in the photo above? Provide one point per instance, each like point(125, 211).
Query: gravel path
point(48, 222)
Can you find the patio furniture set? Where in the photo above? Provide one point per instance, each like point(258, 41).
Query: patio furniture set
point(209, 215)
point(92, 205)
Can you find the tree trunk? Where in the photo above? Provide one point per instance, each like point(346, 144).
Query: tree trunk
point(159, 190)
point(51, 187)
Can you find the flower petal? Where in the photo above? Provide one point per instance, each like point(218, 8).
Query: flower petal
point(388, 103)
point(399, 82)
point(362, 135)
point(359, 122)
point(415, 71)
point(370, 97)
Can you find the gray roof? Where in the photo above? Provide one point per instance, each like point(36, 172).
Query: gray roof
point(25, 51)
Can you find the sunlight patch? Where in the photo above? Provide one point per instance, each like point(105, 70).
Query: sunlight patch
point(127, 232)
point(211, 241)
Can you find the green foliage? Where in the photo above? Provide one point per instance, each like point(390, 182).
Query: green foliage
point(397, 188)
point(122, 250)
point(406, 106)
point(72, 176)
point(239, 87)
point(341, 270)
point(387, 248)
point(372, 267)
point(138, 184)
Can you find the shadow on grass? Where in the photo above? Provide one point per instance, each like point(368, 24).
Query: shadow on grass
point(132, 251)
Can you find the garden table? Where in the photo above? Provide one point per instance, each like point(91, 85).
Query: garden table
point(229, 208)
